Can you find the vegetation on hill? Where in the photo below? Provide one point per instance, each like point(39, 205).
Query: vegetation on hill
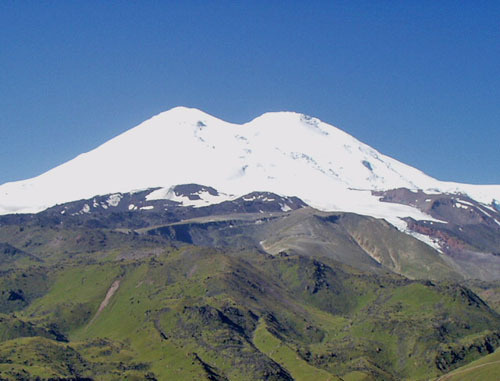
point(106, 303)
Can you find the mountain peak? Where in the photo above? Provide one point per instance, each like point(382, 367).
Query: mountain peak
point(183, 111)
point(284, 152)
point(182, 114)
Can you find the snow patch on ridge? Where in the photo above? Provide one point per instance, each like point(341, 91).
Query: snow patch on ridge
point(204, 198)
point(426, 239)
point(285, 208)
point(114, 199)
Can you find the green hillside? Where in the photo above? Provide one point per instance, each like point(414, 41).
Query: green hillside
point(486, 368)
point(201, 313)
point(335, 296)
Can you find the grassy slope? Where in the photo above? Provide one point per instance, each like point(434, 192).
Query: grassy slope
point(287, 357)
point(199, 313)
point(486, 368)
point(488, 291)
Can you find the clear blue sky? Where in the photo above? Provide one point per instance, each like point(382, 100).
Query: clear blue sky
point(417, 80)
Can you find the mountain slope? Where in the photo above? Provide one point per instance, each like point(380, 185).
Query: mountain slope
point(260, 221)
point(202, 313)
point(281, 152)
point(262, 286)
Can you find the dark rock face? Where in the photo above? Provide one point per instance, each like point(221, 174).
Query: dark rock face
point(134, 210)
point(469, 231)
point(256, 202)
point(16, 295)
point(451, 208)
point(192, 191)
point(174, 232)
point(454, 356)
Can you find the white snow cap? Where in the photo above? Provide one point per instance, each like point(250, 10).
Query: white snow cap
point(282, 152)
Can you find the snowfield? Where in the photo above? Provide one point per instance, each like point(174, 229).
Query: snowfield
point(282, 152)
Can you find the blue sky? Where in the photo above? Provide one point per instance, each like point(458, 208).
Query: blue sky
point(417, 80)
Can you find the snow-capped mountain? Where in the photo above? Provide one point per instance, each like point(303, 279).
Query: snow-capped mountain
point(281, 152)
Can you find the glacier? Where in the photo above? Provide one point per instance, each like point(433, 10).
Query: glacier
point(286, 153)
